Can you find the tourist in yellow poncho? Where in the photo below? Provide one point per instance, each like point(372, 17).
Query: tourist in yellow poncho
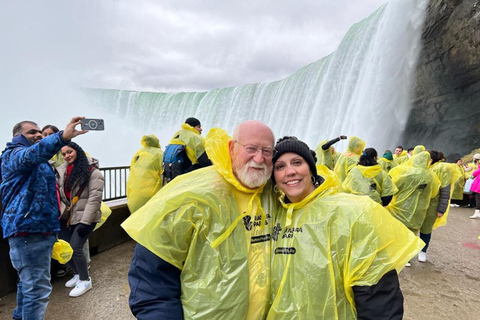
point(400, 155)
point(335, 255)
point(460, 184)
point(186, 151)
point(350, 158)
point(386, 161)
point(369, 179)
point(326, 153)
point(145, 177)
point(203, 247)
point(437, 211)
point(416, 187)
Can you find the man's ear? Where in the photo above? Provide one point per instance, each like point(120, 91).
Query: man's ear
point(231, 145)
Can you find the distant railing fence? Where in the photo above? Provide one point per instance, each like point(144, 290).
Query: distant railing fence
point(115, 185)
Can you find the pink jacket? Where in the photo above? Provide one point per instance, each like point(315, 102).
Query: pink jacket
point(476, 183)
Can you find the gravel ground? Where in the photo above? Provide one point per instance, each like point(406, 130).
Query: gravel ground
point(447, 286)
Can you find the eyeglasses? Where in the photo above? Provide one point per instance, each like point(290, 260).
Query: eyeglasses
point(267, 152)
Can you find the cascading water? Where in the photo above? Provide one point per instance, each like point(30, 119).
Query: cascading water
point(361, 89)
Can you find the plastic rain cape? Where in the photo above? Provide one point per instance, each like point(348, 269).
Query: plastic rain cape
point(369, 181)
point(349, 159)
point(325, 157)
point(387, 164)
point(192, 140)
point(194, 224)
point(328, 243)
point(448, 175)
point(459, 185)
point(145, 177)
point(416, 187)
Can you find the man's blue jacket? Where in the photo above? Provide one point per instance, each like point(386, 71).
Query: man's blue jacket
point(28, 188)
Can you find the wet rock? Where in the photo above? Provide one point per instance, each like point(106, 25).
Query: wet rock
point(446, 98)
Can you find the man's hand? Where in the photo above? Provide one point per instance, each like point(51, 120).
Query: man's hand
point(439, 214)
point(70, 132)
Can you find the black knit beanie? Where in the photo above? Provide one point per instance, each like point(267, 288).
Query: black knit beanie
point(292, 144)
point(193, 122)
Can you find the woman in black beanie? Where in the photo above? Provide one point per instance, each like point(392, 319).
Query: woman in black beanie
point(335, 255)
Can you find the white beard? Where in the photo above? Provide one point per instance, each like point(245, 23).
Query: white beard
point(252, 179)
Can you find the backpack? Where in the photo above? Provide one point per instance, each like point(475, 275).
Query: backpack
point(175, 162)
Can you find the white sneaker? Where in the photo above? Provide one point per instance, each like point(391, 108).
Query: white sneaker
point(81, 287)
point(476, 215)
point(422, 256)
point(408, 264)
point(72, 282)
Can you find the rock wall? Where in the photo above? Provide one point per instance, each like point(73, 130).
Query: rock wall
point(445, 113)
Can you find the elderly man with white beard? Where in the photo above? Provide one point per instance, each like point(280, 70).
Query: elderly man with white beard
point(204, 240)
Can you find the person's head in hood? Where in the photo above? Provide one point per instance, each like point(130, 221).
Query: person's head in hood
point(294, 170)
point(195, 123)
point(421, 160)
point(150, 141)
point(29, 130)
point(356, 145)
point(251, 151)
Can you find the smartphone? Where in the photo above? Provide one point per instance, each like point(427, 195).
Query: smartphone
point(93, 124)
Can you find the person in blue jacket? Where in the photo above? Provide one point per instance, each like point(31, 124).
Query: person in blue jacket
point(30, 211)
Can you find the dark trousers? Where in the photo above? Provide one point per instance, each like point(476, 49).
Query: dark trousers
point(477, 200)
point(78, 262)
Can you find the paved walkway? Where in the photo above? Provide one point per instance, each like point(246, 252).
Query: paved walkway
point(446, 287)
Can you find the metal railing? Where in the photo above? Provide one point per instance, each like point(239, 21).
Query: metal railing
point(115, 185)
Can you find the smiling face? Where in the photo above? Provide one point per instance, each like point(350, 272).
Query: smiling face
point(292, 175)
point(31, 132)
point(69, 154)
point(251, 170)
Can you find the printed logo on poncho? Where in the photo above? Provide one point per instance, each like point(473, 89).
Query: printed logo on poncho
point(276, 231)
point(285, 250)
point(247, 222)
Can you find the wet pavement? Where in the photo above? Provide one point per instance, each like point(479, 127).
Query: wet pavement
point(447, 286)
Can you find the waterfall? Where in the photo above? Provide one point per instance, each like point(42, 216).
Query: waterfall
point(362, 89)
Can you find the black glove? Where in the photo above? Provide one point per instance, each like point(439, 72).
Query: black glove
point(343, 137)
point(83, 229)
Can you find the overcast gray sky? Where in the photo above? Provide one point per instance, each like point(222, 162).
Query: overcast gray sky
point(168, 45)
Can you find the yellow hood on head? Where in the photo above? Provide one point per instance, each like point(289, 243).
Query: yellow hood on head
point(150, 141)
point(356, 145)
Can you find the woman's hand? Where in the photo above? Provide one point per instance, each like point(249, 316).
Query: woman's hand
point(83, 229)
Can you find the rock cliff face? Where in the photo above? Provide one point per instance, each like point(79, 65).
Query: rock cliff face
point(446, 99)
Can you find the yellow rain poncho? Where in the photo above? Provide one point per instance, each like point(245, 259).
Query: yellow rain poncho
point(145, 178)
point(350, 159)
point(418, 149)
point(447, 175)
point(369, 181)
point(325, 157)
point(459, 185)
point(192, 140)
point(403, 157)
point(387, 164)
point(416, 187)
point(328, 243)
point(217, 232)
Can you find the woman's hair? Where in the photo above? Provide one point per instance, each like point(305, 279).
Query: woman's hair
point(81, 169)
point(436, 156)
point(50, 126)
point(368, 157)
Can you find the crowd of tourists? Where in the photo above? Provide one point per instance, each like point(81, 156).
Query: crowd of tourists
point(233, 227)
